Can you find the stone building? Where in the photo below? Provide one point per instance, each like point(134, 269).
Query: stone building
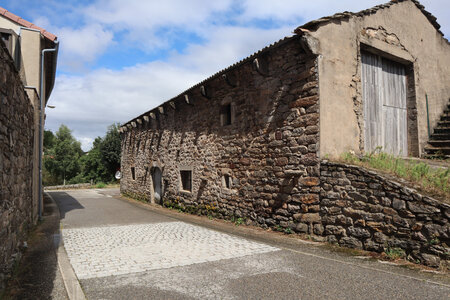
point(250, 141)
point(27, 75)
point(34, 52)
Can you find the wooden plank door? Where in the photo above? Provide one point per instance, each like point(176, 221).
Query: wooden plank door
point(384, 100)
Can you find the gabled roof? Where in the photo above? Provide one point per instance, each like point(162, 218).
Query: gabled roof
point(312, 25)
point(315, 24)
point(25, 23)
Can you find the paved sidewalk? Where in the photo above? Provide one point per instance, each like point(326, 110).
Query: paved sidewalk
point(126, 250)
point(38, 275)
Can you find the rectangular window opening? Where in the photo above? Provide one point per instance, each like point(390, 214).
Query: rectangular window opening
point(186, 180)
point(227, 179)
point(226, 114)
point(6, 37)
point(133, 174)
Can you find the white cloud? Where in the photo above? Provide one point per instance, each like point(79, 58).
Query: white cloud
point(86, 142)
point(89, 103)
point(134, 14)
point(292, 10)
point(79, 46)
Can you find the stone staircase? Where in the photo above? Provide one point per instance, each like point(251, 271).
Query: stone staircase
point(439, 144)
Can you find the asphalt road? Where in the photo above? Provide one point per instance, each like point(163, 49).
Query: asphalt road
point(123, 250)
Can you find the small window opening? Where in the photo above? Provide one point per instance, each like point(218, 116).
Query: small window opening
point(227, 179)
point(138, 145)
point(133, 174)
point(6, 37)
point(186, 180)
point(226, 114)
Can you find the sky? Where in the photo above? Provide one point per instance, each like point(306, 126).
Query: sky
point(121, 58)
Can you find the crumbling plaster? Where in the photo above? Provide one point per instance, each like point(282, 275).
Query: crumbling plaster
point(401, 32)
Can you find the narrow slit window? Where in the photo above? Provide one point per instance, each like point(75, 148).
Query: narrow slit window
point(186, 180)
point(227, 179)
point(133, 174)
point(226, 114)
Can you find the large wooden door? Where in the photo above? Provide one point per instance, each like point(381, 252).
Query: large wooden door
point(384, 100)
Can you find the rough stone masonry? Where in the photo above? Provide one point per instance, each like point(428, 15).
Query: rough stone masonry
point(244, 145)
point(245, 139)
point(16, 163)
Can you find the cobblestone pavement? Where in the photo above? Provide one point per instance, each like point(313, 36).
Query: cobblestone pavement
point(117, 250)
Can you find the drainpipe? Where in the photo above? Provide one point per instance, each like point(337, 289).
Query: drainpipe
point(428, 117)
point(41, 115)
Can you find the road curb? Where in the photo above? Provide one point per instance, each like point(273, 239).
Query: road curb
point(71, 283)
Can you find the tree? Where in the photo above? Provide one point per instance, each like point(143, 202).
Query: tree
point(62, 160)
point(92, 166)
point(110, 147)
point(49, 139)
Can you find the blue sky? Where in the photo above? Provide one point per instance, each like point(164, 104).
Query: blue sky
point(119, 58)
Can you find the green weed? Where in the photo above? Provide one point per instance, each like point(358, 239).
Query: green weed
point(395, 253)
point(238, 221)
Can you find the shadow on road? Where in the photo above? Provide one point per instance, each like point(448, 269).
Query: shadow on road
point(34, 277)
point(66, 203)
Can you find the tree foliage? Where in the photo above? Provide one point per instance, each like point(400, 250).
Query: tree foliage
point(65, 161)
point(109, 148)
point(62, 160)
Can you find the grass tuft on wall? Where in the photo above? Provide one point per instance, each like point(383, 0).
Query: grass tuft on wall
point(434, 181)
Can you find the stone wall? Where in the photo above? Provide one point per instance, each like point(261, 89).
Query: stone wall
point(361, 209)
point(250, 169)
point(264, 167)
point(16, 163)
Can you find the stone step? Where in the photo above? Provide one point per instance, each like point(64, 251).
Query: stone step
point(442, 130)
point(436, 156)
point(444, 123)
point(437, 150)
point(440, 136)
point(439, 143)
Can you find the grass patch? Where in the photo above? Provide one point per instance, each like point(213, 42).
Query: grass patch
point(395, 253)
point(100, 185)
point(429, 180)
point(237, 221)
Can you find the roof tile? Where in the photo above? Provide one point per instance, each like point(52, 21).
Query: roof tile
point(25, 23)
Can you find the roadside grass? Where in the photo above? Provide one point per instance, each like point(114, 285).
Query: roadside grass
point(435, 182)
point(102, 185)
